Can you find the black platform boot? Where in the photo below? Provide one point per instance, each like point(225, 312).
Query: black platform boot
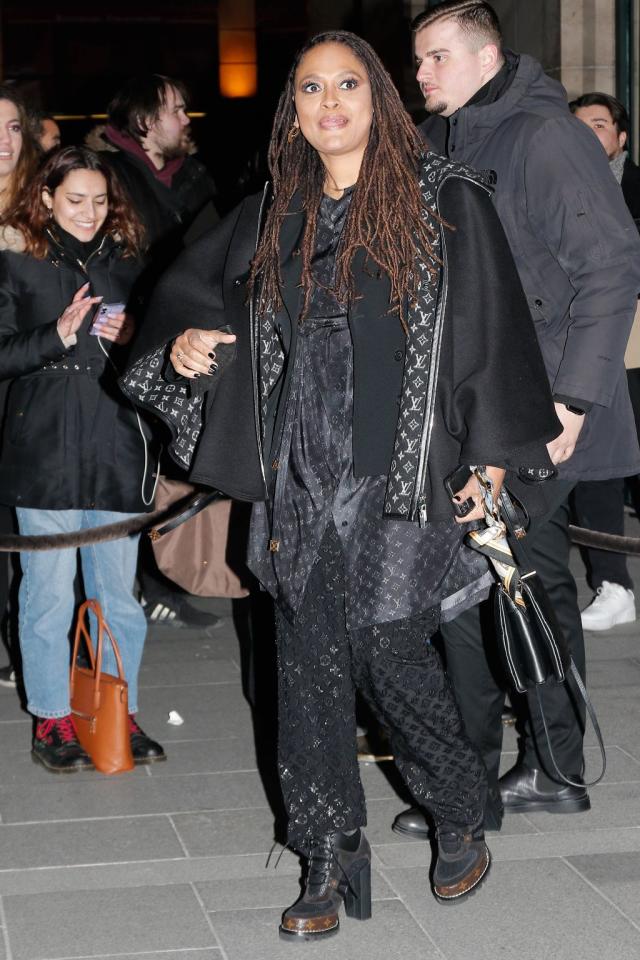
point(339, 870)
point(463, 862)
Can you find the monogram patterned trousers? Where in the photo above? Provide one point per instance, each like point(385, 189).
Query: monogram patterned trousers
point(320, 665)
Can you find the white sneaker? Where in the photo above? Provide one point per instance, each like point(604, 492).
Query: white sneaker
point(611, 605)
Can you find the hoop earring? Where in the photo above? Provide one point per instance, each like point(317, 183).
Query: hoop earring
point(293, 133)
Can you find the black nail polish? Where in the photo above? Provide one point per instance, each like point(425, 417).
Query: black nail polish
point(211, 356)
point(196, 375)
point(213, 368)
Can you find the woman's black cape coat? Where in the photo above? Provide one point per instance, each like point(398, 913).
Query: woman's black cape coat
point(494, 401)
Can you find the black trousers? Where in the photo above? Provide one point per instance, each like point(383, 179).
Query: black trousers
point(479, 684)
point(599, 505)
point(320, 665)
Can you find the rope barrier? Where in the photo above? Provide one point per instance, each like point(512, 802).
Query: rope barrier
point(185, 509)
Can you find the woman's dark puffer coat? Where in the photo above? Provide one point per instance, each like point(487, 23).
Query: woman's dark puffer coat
point(70, 438)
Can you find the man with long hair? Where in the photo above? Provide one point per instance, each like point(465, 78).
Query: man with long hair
point(578, 256)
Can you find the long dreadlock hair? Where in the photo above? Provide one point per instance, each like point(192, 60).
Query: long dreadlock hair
point(386, 216)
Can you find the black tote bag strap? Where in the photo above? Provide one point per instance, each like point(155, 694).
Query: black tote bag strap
point(517, 534)
point(596, 726)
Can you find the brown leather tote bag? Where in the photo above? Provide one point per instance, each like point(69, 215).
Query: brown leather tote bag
point(100, 701)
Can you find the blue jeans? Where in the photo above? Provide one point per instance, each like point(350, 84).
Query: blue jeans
point(47, 602)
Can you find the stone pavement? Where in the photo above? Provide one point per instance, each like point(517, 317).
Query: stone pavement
point(169, 862)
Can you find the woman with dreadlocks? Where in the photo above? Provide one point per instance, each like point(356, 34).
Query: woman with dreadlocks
point(388, 342)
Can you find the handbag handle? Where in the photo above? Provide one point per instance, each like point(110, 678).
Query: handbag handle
point(94, 660)
point(518, 533)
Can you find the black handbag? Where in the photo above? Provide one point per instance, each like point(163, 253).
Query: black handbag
point(531, 642)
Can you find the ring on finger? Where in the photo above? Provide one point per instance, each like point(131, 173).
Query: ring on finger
point(180, 356)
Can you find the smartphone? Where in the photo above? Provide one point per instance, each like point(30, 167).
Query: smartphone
point(104, 311)
point(453, 484)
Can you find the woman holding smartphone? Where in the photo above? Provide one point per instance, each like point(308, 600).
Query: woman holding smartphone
point(73, 455)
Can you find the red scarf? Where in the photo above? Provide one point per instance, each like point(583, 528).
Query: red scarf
point(122, 140)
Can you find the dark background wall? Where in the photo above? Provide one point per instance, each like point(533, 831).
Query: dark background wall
point(68, 56)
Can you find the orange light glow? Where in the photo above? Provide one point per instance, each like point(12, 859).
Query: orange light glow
point(238, 79)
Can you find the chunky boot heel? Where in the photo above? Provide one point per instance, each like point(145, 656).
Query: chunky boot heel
point(339, 872)
point(357, 898)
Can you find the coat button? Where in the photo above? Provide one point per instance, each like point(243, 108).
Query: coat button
point(398, 355)
point(275, 464)
point(274, 546)
point(237, 282)
point(538, 302)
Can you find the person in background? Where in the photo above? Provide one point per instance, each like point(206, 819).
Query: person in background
point(577, 252)
point(147, 141)
point(609, 120)
point(18, 164)
point(73, 454)
point(599, 504)
point(46, 132)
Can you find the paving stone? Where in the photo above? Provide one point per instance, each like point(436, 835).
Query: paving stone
point(530, 909)
point(610, 647)
point(131, 797)
point(227, 832)
point(95, 923)
point(563, 843)
point(87, 841)
point(623, 672)
point(206, 756)
point(204, 954)
point(151, 873)
point(271, 890)
point(253, 934)
point(174, 647)
point(209, 711)
point(617, 876)
point(189, 673)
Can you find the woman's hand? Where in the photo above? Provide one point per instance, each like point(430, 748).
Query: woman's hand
point(472, 489)
point(194, 352)
point(117, 327)
point(71, 319)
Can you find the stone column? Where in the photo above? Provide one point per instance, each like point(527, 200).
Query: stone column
point(588, 46)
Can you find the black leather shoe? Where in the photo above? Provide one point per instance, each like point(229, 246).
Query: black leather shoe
point(413, 822)
point(339, 870)
point(525, 790)
point(143, 748)
point(462, 865)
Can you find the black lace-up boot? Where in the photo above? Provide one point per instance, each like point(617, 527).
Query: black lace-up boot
point(463, 862)
point(339, 870)
point(57, 747)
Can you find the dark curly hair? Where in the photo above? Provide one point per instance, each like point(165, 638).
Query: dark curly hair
point(31, 217)
point(386, 217)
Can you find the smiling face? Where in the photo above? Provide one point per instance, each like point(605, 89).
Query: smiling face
point(10, 138)
point(80, 203)
point(603, 125)
point(334, 108)
point(449, 69)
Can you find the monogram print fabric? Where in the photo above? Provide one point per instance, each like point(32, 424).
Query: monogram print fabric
point(178, 404)
point(423, 345)
point(400, 674)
